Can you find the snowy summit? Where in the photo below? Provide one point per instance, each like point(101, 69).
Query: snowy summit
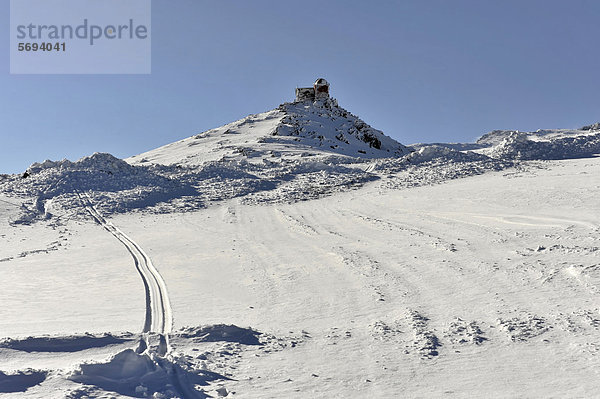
point(313, 124)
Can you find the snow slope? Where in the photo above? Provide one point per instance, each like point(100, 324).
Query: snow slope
point(300, 128)
point(158, 307)
point(302, 253)
point(485, 286)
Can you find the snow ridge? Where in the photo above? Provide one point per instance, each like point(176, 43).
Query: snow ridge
point(526, 147)
point(543, 144)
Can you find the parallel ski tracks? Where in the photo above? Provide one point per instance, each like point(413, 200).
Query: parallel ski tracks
point(159, 315)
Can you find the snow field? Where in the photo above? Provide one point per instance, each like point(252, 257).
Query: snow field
point(380, 291)
point(306, 254)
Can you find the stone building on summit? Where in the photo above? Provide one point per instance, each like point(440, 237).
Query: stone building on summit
point(320, 89)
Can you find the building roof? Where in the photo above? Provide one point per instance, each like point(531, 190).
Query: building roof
point(321, 82)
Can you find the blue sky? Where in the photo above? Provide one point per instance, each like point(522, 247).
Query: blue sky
point(421, 71)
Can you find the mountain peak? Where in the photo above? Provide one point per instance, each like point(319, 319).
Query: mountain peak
point(323, 124)
point(313, 124)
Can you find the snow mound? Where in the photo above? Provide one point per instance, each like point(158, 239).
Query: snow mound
point(301, 151)
point(116, 186)
point(127, 373)
point(72, 343)
point(221, 333)
point(99, 172)
point(433, 165)
point(443, 154)
point(526, 146)
point(146, 375)
point(121, 187)
point(496, 137)
point(98, 161)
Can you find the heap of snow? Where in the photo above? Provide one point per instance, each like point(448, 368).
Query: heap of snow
point(128, 373)
point(72, 343)
point(221, 333)
point(102, 172)
point(98, 161)
point(443, 154)
point(54, 185)
point(494, 137)
point(434, 164)
point(542, 144)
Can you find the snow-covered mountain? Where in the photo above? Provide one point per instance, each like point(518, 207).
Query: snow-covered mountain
point(301, 150)
point(307, 128)
point(301, 253)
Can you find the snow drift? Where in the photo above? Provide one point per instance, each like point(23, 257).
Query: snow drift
point(522, 146)
point(544, 144)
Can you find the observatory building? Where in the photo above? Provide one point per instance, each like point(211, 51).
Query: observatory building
point(320, 89)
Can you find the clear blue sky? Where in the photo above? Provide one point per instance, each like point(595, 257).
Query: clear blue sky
point(421, 71)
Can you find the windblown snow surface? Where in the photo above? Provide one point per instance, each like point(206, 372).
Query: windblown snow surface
point(300, 253)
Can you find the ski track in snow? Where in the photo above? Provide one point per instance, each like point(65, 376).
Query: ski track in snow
point(159, 317)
